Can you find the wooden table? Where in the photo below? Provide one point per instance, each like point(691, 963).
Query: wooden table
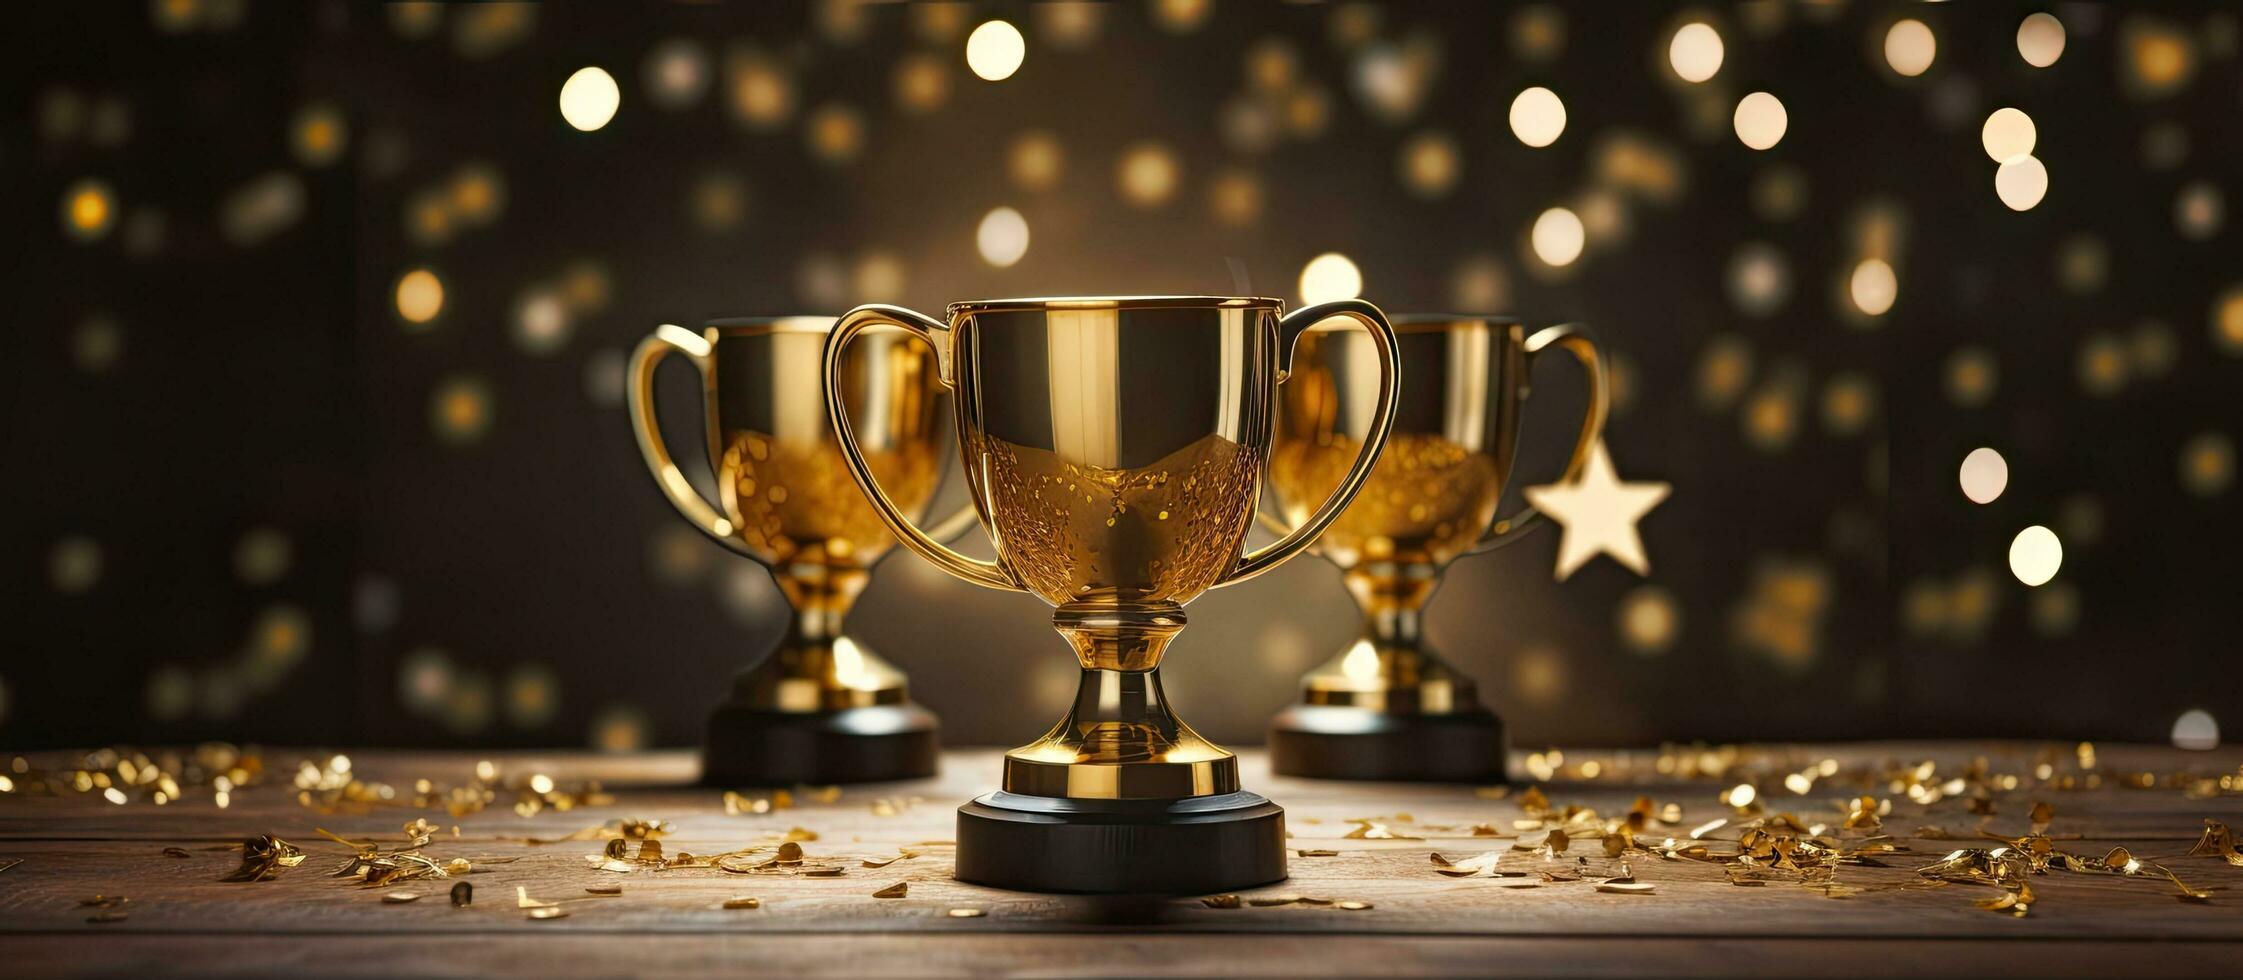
point(182, 918)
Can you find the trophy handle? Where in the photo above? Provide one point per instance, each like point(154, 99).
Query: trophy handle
point(1289, 331)
point(988, 574)
point(670, 339)
point(1577, 341)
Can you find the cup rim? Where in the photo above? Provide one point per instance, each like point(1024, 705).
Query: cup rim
point(1048, 303)
point(788, 323)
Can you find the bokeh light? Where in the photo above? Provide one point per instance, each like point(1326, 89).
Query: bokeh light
point(1873, 287)
point(1695, 51)
point(2008, 134)
point(922, 82)
point(2199, 210)
point(460, 410)
point(74, 564)
point(1650, 620)
point(1002, 237)
point(1558, 237)
point(1328, 277)
point(419, 296)
point(2021, 182)
point(1910, 47)
point(1236, 197)
point(89, 210)
point(1430, 164)
point(262, 556)
point(1035, 160)
point(1760, 120)
point(676, 73)
point(541, 321)
point(589, 98)
point(1148, 175)
point(836, 133)
point(2040, 39)
point(1759, 279)
point(2227, 321)
point(319, 135)
point(2035, 555)
point(2207, 464)
point(1537, 117)
point(995, 50)
point(2196, 731)
point(1972, 376)
point(1984, 475)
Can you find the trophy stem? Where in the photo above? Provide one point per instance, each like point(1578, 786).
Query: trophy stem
point(1388, 707)
point(1120, 739)
point(819, 708)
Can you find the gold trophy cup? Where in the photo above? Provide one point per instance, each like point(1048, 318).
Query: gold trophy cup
point(1115, 449)
point(1388, 707)
point(821, 708)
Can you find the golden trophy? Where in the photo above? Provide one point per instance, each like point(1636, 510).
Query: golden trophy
point(821, 708)
point(1114, 450)
point(1388, 707)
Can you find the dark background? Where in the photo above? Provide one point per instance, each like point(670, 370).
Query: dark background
point(247, 500)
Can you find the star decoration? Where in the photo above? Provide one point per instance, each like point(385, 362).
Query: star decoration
point(1599, 514)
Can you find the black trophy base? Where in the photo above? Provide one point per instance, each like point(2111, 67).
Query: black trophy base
point(1334, 742)
point(752, 747)
point(1121, 847)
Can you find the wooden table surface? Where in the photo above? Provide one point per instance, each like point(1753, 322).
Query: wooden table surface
point(181, 917)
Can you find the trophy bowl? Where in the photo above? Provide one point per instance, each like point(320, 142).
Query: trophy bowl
point(1115, 449)
point(1388, 707)
point(820, 707)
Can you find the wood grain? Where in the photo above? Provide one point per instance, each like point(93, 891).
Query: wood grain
point(183, 916)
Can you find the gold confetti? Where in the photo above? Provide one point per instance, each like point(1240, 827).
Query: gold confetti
point(603, 889)
point(897, 890)
point(400, 898)
point(549, 912)
point(1271, 901)
point(1317, 853)
point(264, 858)
point(1351, 906)
point(1626, 887)
point(1476, 866)
point(967, 913)
point(463, 895)
point(1373, 830)
point(523, 900)
point(1220, 901)
point(743, 902)
point(2041, 814)
point(2217, 842)
point(1708, 827)
point(2016, 902)
point(108, 915)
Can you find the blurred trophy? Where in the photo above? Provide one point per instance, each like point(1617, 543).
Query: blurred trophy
point(1114, 449)
point(1388, 707)
point(821, 708)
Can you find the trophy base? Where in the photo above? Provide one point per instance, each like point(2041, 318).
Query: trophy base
point(1331, 742)
point(753, 747)
point(1121, 847)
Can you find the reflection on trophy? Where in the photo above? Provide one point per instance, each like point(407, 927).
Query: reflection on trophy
point(821, 708)
point(1388, 707)
point(1114, 449)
